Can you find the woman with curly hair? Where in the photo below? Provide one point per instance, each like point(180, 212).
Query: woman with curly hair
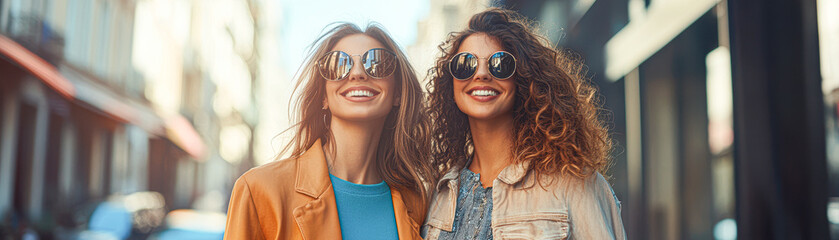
point(516, 132)
point(359, 155)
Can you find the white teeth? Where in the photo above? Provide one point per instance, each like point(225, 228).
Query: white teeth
point(360, 93)
point(484, 93)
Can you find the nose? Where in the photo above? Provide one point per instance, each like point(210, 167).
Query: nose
point(357, 71)
point(482, 72)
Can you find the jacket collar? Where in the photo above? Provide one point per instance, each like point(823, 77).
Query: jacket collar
point(406, 227)
point(318, 218)
point(312, 172)
point(321, 212)
point(450, 176)
point(441, 214)
point(512, 174)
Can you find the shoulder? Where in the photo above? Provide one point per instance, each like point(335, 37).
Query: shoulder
point(593, 185)
point(597, 184)
point(592, 182)
point(593, 188)
point(261, 201)
point(275, 176)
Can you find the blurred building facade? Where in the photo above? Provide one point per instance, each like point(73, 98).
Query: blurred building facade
point(828, 24)
point(717, 110)
point(206, 61)
point(443, 18)
point(103, 98)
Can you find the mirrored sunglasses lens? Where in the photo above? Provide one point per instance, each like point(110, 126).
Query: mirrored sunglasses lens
point(379, 63)
point(335, 66)
point(462, 66)
point(502, 65)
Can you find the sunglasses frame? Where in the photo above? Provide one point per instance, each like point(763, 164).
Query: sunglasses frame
point(352, 62)
point(515, 65)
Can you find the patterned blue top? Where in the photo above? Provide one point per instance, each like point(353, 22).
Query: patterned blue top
point(473, 214)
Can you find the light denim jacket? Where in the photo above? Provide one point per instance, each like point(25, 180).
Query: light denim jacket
point(563, 207)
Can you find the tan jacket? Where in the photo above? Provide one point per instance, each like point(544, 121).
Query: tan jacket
point(566, 208)
point(293, 199)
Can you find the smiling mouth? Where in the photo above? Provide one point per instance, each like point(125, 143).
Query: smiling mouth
point(484, 92)
point(359, 93)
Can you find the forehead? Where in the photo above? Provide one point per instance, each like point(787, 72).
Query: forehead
point(480, 44)
point(357, 44)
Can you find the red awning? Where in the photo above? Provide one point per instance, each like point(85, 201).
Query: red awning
point(37, 66)
point(178, 129)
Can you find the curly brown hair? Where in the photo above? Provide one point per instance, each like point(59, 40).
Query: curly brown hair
point(557, 128)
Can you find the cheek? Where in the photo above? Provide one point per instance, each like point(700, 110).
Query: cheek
point(458, 86)
point(331, 88)
point(459, 98)
point(389, 86)
point(511, 100)
point(510, 86)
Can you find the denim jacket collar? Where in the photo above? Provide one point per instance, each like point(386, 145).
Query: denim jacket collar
point(450, 176)
point(441, 215)
point(512, 174)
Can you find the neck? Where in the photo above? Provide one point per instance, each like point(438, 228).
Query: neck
point(351, 153)
point(492, 139)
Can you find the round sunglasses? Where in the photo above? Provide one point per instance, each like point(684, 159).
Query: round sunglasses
point(377, 63)
point(502, 65)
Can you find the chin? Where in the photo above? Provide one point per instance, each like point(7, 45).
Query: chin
point(363, 114)
point(481, 114)
point(487, 112)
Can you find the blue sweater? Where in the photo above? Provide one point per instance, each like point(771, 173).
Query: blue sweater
point(364, 211)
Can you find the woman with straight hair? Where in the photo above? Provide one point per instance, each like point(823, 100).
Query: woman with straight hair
point(359, 154)
point(516, 132)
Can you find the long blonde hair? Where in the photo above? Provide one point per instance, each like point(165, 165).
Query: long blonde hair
point(402, 155)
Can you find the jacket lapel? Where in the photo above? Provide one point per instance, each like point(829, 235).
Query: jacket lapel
point(318, 218)
point(443, 203)
point(405, 226)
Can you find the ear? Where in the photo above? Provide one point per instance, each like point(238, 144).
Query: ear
point(325, 104)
